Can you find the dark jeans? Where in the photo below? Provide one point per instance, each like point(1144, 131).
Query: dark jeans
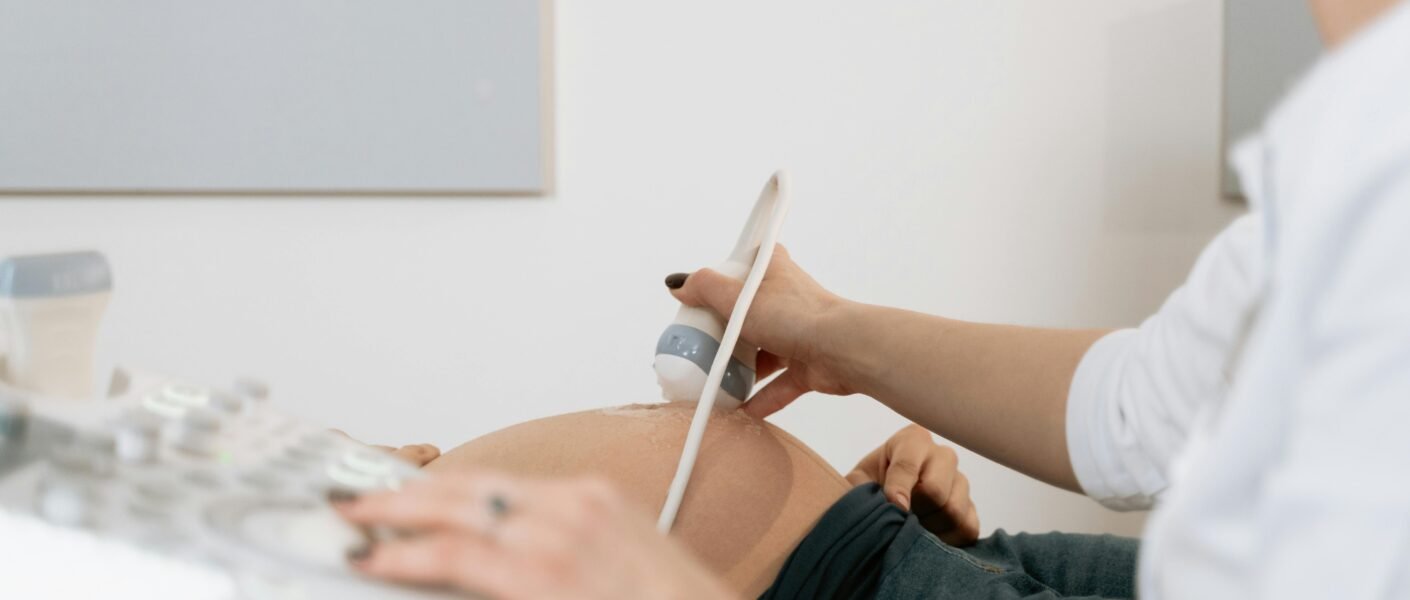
point(866, 547)
point(1003, 566)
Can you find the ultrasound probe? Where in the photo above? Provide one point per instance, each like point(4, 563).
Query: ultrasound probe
point(690, 339)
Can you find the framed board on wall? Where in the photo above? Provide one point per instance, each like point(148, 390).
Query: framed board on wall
point(275, 96)
point(1267, 45)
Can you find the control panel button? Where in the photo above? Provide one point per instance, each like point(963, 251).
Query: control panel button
point(199, 446)
point(204, 479)
point(266, 481)
point(157, 492)
point(302, 455)
point(230, 404)
point(201, 420)
point(320, 440)
point(149, 513)
point(346, 477)
point(67, 502)
point(371, 462)
point(138, 437)
point(88, 455)
point(252, 388)
point(185, 395)
point(306, 531)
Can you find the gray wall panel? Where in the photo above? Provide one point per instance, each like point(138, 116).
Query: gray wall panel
point(276, 95)
point(1267, 45)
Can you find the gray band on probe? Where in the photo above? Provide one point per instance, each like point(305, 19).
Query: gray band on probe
point(698, 347)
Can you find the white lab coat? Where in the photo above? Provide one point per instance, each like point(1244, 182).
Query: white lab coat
point(1264, 412)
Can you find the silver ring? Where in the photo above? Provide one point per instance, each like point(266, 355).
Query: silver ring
point(498, 507)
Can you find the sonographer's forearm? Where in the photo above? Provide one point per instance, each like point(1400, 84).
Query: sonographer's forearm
point(999, 390)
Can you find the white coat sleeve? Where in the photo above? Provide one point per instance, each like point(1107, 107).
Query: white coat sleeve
point(1136, 392)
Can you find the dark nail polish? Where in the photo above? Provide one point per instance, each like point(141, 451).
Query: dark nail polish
point(359, 553)
point(338, 496)
point(676, 280)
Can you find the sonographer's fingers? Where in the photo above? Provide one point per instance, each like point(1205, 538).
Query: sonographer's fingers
point(707, 288)
point(433, 558)
point(779, 393)
point(576, 538)
point(767, 364)
point(468, 504)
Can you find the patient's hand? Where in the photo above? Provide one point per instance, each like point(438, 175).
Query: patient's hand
point(923, 477)
point(416, 454)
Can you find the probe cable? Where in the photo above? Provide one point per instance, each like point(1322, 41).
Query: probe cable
point(780, 204)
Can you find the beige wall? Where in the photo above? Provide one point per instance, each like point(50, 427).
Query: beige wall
point(1015, 160)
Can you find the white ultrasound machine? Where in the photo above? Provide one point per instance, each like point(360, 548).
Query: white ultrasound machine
point(159, 488)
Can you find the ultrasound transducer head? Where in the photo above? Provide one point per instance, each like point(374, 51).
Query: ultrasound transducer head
point(688, 346)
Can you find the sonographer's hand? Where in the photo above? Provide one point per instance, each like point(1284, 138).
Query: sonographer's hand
point(785, 322)
point(923, 477)
point(508, 537)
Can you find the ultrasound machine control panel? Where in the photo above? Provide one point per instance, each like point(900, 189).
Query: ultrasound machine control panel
point(212, 480)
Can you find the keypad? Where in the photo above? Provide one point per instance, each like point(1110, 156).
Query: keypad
point(195, 472)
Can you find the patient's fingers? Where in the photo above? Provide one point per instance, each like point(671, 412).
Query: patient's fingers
point(418, 454)
point(867, 469)
point(961, 514)
point(906, 457)
point(779, 393)
point(941, 471)
point(857, 477)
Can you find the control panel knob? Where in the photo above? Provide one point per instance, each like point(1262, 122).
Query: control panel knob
point(119, 383)
point(185, 395)
point(252, 388)
point(13, 414)
point(67, 503)
point(200, 421)
point(197, 444)
point(138, 437)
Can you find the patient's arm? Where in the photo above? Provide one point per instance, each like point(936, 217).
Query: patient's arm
point(755, 492)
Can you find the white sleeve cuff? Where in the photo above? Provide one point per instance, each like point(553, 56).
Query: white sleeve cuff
point(1091, 446)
